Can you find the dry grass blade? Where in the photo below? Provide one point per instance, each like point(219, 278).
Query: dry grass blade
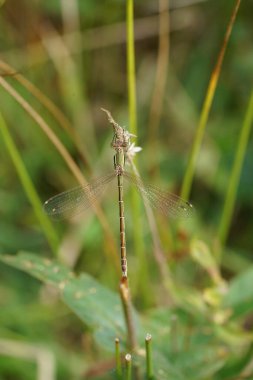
point(47, 103)
point(188, 178)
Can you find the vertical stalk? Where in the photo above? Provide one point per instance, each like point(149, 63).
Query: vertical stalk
point(188, 178)
point(128, 360)
point(149, 362)
point(127, 308)
point(138, 241)
point(131, 68)
point(118, 360)
point(235, 174)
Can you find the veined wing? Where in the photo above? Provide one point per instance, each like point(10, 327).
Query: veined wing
point(167, 203)
point(72, 202)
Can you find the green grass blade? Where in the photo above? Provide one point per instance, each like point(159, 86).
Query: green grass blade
point(131, 68)
point(135, 202)
point(235, 174)
point(149, 360)
point(188, 178)
point(118, 359)
point(128, 362)
point(28, 187)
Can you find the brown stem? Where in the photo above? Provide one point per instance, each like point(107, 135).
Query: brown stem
point(128, 312)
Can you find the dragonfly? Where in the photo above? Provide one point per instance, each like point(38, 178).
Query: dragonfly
point(71, 202)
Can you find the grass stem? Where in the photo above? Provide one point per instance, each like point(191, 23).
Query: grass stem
point(118, 359)
point(131, 69)
point(235, 174)
point(58, 115)
point(127, 308)
point(135, 201)
point(149, 361)
point(128, 361)
point(188, 178)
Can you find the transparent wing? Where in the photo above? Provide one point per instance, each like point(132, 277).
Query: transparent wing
point(168, 204)
point(72, 202)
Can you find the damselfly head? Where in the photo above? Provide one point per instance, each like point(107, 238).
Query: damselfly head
point(121, 139)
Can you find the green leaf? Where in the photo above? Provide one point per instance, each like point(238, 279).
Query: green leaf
point(97, 306)
point(41, 268)
point(240, 293)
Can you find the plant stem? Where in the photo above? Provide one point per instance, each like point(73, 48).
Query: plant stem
point(149, 362)
point(235, 174)
point(127, 308)
point(28, 187)
point(135, 201)
point(55, 111)
point(131, 68)
point(118, 359)
point(188, 178)
point(128, 360)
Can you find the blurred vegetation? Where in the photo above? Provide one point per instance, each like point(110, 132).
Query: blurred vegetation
point(199, 306)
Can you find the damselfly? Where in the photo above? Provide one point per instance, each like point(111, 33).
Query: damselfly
point(73, 201)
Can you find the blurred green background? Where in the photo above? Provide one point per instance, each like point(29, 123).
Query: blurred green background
point(74, 52)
